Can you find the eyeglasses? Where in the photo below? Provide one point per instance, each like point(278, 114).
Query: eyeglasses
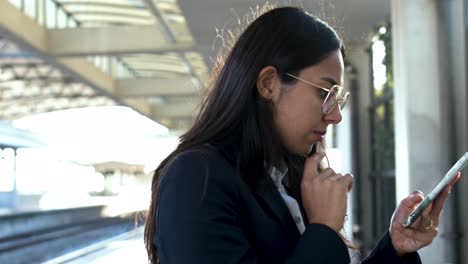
point(335, 96)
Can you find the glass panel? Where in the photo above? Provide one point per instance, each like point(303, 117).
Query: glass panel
point(384, 137)
point(115, 2)
point(114, 19)
point(51, 11)
point(107, 9)
point(16, 3)
point(62, 19)
point(30, 8)
point(7, 170)
point(97, 61)
point(72, 22)
point(382, 133)
point(105, 64)
point(41, 12)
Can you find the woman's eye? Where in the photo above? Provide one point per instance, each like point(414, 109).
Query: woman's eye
point(323, 93)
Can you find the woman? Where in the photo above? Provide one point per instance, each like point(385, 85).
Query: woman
point(245, 183)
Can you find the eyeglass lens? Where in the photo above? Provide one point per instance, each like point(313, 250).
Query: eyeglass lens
point(330, 101)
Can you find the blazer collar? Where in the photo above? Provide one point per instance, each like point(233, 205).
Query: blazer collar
point(266, 191)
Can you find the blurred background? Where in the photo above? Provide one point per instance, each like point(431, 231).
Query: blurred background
point(94, 94)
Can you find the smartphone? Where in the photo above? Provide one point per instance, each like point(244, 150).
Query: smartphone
point(459, 165)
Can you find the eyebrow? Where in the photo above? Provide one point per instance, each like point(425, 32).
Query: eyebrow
point(329, 80)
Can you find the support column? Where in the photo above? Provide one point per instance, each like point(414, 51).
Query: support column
point(14, 202)
point(423, 115)
point(454, 26)
point(360, 85)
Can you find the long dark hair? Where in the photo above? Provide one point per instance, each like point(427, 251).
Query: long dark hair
point(233, 113)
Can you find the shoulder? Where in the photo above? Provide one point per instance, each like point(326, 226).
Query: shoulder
point(199, 180)
point(200, 158)
point(201, 166)
point(205, 153)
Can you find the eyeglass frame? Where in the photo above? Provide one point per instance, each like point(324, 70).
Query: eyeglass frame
point(339, 101)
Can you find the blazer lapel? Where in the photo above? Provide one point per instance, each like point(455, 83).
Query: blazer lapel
point(267, 192)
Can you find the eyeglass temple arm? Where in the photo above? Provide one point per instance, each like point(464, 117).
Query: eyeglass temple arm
point(300, 79)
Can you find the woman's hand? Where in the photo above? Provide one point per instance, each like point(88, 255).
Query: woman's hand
point(324, 194)
point(424, 230)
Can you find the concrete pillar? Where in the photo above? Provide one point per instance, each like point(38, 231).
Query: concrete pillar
point(360, 85)
point(454, 27)
point(423, 120)
point(14, 202)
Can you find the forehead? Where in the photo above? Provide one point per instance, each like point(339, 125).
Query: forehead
point(332, 67)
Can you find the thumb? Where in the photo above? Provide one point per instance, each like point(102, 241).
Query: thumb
point(413, 200)
point(312, 163)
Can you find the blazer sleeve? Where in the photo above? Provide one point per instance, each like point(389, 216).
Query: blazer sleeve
point(198, 219)
point(384, 253)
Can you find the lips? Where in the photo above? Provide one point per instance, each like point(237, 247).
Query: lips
point(319, 135)
point(322, 133)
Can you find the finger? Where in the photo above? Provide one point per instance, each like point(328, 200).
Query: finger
point(438, 203)
point(424, 219)
point(335, 177)
point(418, 192)
point(420, 235)
point(347, 181)
point(311, 165)
point(350, 187)
point(327, 173)
point(454, 180)
point(413, 200)
point(442, 197)
point(404, 209)
point(427, 211)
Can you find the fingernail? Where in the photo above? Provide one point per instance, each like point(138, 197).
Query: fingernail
point(320, 155)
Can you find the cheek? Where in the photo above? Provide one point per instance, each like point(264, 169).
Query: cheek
point(295, 120)
point(298, 112)
point(292, 116)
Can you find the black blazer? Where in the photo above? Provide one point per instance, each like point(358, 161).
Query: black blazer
point(207, 214)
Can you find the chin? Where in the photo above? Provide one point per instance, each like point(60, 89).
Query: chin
point(308, 149)
point(303, 150)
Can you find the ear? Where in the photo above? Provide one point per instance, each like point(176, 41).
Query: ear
point(268, 83)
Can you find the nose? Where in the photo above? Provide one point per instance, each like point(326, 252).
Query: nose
point(334, 117)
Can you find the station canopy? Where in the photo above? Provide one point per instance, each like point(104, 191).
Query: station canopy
point(61, 54)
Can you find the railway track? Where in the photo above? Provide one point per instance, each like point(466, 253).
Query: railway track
point(42, 245)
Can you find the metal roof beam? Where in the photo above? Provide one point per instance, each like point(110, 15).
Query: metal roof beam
point(111, 41)
point(175, 110)
point(144, 87)
point(177, 126)
point(35, 40)
point(152, 6)
point(27, 34)
point(41, 98)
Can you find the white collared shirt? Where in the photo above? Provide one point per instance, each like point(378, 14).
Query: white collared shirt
point(291, 203)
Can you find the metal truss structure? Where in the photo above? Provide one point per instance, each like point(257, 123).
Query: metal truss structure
point(60, 54)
